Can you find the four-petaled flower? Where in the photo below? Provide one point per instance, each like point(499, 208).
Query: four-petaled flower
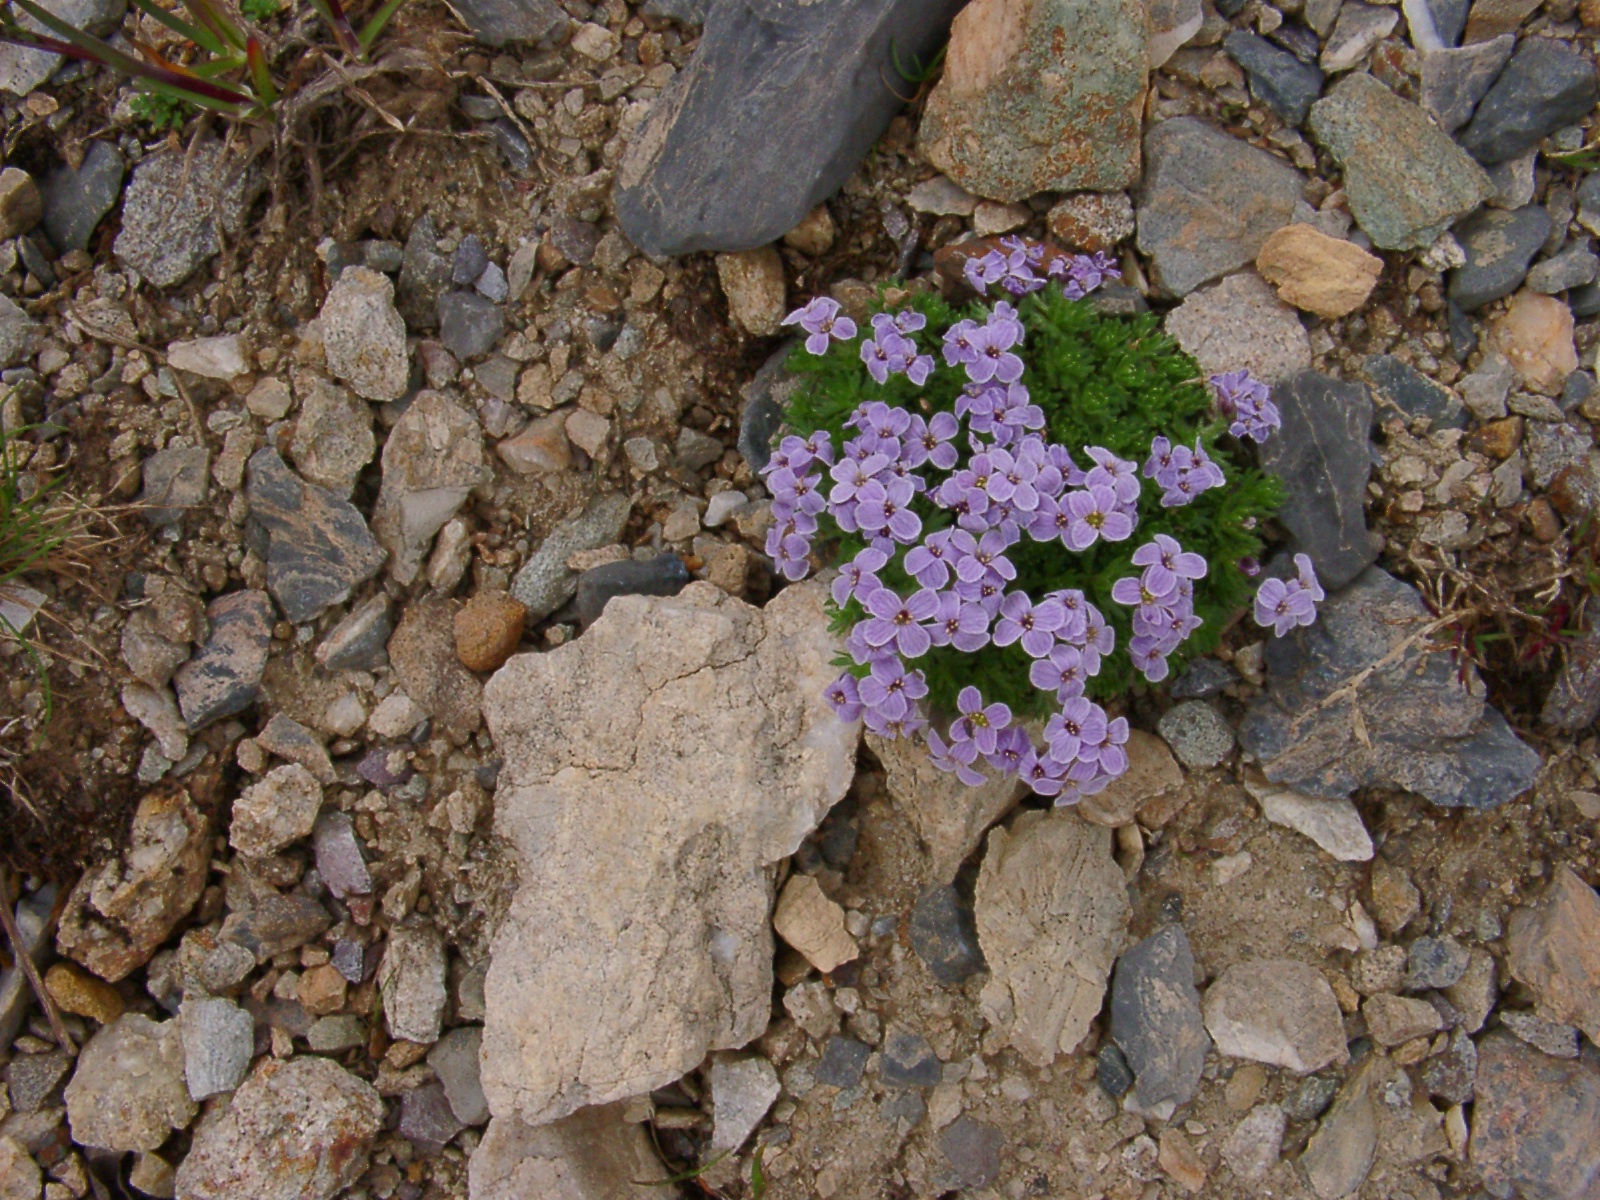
point(822, 321)
point(897, 624)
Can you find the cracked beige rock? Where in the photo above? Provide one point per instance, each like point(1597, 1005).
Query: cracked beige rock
point(813, 924)
point(655, 771)
point(1052, 913)
point(950, 818)
point(1317, 273)
point(1554, 948)
point(1276, 1011)
point(592, 1155)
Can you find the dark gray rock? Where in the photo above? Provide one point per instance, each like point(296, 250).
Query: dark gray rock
point(1534, 1120)
point(1322, 450)
point(685, 12)
point(1205, 677)
point(775, 110)
point(319, 548)
point(424, 276)
point(973, 1151)
point(545, 583)
point(1435, 962)
point(469, 261)
point(843, 1060)
point(1208, 201)
point(1417, 722)
point(663, 575)
point(23, 69)
point(1311, 1098)
point(944, 934)
point(1449, 19)
point(498, 22)
point(75, 201)
point(1454, 81)
point(1546, 85)
point(224, 675)
point(1499, 245)
point(175, 480)
point(1277, 78)
point(1156, 1019)
point(1112, 1072)
point(470, 325)
point(1451, 1076)
point(175, 205)
point(1571, 267)
point(359, 642)
point(426, 1118)
point(1298, 40)
point(577, 240)
point(34, 1079)
point(907, 1107)
point(19, 333)
point(765, 398)
point(908, 1060)
point(454, 1059)
point(1395, 385)
point(277, 924)
point(1574, 699)
point(513, 147)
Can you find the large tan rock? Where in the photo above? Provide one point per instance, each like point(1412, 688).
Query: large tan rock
point(1052, 913)
point(949, 817)
point(1317, 273)
point(813, 924)
point(1554, 948)
point(1240, 324)
point(655, 771)
point(1276, 1011)
point(591, 1155)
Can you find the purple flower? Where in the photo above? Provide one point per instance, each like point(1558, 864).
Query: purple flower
point(796, 494)
point(844, 697)
point(985, 270)
point(798, 454)
point(1011, 746)
point(883, 506)
point(1062, 672)
point(1282, 606)
point(822, 321)
point(1306, 577)
point(957, 757)
point(985, 561)
point(1034, 625)
point(889, 352)
point(1042, 773)
point(1145, 651)
point(898, 624)
point(789, 552)
point(904, 727)
point(1080, 722)
point(1245, 402)
point(853, 474)
point(890, 690)
point(1166, 562)
point(959, 622)
point(1083, 273)
point(993, 342)
point(929, 563)
point(1110, 471)
point(978, 724)
point(958, 344)
point(859, 575)
point(1094, 515)
point(1162, 465)
point(930, 442)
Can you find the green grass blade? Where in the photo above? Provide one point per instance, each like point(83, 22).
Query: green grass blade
point(217, 21)
point(260, 76)
point(333, 13)
point(374, 26)
point(203, 38)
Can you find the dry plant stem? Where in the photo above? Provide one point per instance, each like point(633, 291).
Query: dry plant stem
point(19, 950)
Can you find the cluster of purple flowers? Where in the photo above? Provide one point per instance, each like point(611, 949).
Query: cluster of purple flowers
point(1281, 604)
point(1243, 400)
point(1001, 483)
point(1016, 269)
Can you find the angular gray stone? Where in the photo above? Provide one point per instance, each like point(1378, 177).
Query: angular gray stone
point(218, 1042)
point(908, 1060)
point(944, 936)
point(1534, 1120)
point(411, 978)
point(75, 201)
point(22, 69)
point(19, 333)
point(1499, 245)
point(470, 325)
point(357, 642)
point(1041, 95)
point(224, 676)
point(363, 337)
point(842, 1062)
point(276, 924)
point(1156, 1020)
point(743, 1087)
point(592, 1155)
point(545, 582)
point(1421, 727)
point(319, 548)
point(174, 208)
point(499, 22)
point(1323, 448)
point(1453, 81)
point(424, 276)
point(1398, 386)
point(1357, 30)
point(175, 480)
point(32, 1079)
point(1548, 1037)
point(1276, 1011)
point(707, 171)
point(1339, 1155)
point(1199, 735)
point(426, 1119)
point(454, 1059)
point(1546, 85)
point(1435, 962)
point(1572, 267)
point(431, 463)
point(340, 863)
point(1207, 202)
point(1406, 180)
point(1277, 78)
point(764, 399)
point(663, 575)
point(973, 1151)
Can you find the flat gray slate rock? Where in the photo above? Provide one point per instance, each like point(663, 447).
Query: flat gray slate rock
point(776, 109)
point(1545, 86)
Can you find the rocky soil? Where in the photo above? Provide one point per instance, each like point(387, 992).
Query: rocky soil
point(433, 796)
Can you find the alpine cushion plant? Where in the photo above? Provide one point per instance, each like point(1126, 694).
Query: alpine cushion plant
point(1035, 507)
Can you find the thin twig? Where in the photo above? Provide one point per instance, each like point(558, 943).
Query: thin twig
point(24, 959)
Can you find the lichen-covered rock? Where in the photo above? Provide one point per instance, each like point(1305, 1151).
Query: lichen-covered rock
point(1052, 912)
point(1040, 96)
point(295, 1130)
point(604, 984)
point(174, 208)
point(122, 910)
